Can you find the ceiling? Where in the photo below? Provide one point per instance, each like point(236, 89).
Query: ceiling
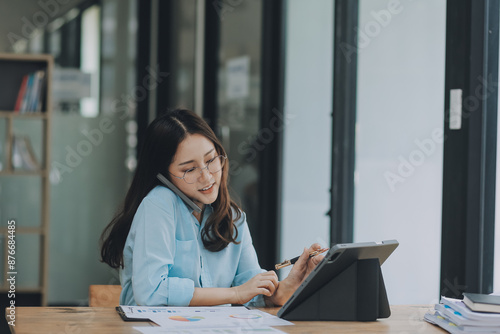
point(19, 17)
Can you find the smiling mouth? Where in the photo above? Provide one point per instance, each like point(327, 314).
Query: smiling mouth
point(207, 188)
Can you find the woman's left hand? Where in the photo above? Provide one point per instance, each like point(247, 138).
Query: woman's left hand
point(300, 270)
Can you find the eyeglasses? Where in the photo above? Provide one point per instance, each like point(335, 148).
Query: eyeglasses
point(213, 166)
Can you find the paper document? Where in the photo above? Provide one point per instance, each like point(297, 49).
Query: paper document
point(235, 330)
point(205, 317)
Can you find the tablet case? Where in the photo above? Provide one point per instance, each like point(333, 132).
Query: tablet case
point(357, 294)
point(352, 289)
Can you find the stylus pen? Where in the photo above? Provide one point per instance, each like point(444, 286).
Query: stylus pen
point(287, 263)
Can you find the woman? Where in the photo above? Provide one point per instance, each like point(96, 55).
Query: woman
point(172, 255)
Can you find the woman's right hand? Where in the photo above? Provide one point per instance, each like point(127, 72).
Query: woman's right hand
point(261, 284)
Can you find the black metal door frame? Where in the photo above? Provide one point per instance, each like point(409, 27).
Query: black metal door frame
point(469, 160)
point(343, 120)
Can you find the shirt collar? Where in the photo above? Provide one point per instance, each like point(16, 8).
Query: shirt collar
point(208, 208)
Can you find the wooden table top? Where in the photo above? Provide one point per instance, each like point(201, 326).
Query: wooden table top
point(404, 319)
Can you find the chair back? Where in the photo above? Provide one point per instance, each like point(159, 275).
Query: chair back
point(104, 295)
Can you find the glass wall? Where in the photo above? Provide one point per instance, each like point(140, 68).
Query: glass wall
point(93, 140)
point(183, 54)
point(238, 103)
point(90, 56)
point(307, 137)
point(85, 196)
point(399, 140)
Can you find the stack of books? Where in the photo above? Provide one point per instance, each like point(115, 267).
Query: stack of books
point(477, 313)
point(29, 97)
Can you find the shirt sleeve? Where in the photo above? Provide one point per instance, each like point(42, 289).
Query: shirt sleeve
point(248, 265)
point(153, 257)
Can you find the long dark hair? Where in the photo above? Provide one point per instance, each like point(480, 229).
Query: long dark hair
point(163, 136)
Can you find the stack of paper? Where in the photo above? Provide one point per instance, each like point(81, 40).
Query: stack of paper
point(455, 317)
point(208, 319)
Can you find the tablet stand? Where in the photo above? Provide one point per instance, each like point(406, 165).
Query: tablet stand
point(356, 294)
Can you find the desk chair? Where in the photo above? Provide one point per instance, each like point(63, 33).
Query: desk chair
point(104, 295)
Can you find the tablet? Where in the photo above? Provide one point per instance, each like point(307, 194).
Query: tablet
point(339, 258)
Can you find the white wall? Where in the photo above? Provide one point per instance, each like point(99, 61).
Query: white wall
point(307, 137)
point(400, 104)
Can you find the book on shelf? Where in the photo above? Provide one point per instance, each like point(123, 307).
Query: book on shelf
point(20, 95)
point(23, 156)
point(29, 97)
point(480, 302)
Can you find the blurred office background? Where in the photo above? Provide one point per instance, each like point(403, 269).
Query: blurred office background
point(268, 76)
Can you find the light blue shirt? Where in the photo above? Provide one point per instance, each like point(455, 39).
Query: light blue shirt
point(164, 257)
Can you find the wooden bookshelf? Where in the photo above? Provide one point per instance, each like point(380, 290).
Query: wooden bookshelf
point(13, 68)
point(31, 115)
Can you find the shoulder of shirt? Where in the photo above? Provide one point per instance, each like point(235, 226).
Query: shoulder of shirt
point(160, 195)
point(243, 219)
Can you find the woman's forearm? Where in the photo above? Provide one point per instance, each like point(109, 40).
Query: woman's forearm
point(261, 284)
point(219, 296)
point(213, 296)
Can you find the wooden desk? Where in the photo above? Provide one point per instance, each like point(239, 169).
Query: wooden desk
point(88, 320)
